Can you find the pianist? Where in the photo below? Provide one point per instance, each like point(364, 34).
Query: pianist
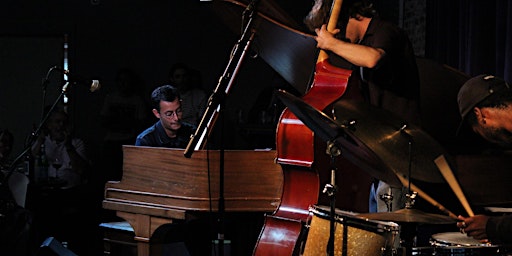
point(171, 132)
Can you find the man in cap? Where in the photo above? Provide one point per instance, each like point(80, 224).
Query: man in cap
point(485, 105)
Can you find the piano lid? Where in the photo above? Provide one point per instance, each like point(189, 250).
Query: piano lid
point(290, 52)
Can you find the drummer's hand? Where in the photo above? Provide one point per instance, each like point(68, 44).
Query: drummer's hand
point(474, 226)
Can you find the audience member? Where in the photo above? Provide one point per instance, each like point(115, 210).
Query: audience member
point(188, 82)
point(15, 220)
point(66, 154)
point(485, 104)
point(63, 207)
point(6, 142)
point(123, 115)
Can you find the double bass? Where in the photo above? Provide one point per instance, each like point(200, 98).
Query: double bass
point(284, 230)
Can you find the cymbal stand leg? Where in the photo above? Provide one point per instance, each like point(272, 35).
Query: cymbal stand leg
point(330, 190)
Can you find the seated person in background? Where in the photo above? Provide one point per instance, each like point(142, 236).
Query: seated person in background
point(194, 98)
point(169, 131)
point(63, 205)
point(485, 104)
point(124, 115)
point(6, 142)
point(15, 221)
point(65, 153)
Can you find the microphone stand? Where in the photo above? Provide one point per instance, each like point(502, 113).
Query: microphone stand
point(33, 136)
point(215, 104)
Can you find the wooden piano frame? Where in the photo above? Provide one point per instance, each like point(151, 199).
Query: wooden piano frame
point(160, 185)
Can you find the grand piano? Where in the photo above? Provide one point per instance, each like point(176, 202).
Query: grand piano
point(160, 185)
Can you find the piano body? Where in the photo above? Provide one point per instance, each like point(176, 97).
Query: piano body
point(160, 185)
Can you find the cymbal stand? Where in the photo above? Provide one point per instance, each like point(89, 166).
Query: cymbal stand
point(409, 167)
point(388, 199)
point(330, 189)
point(408, 231)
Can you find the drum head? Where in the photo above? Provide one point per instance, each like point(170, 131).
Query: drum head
point(456, 238)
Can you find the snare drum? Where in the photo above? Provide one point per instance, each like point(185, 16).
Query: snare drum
point(364, 237)
point(456, 243)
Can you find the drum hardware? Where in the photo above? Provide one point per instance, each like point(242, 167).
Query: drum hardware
point(381, 152)
point(328, 130)
point(388, 199)
point(456, 243)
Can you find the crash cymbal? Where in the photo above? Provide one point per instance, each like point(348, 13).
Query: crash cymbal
point(374, 139)
point(323, 126)
point(403, 148)
point(409, 216)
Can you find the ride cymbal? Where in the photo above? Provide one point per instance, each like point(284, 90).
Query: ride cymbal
point(409, 216)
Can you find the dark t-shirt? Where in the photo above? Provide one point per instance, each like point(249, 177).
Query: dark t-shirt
point(394, 83)
point(397, 71)
point(155, 136)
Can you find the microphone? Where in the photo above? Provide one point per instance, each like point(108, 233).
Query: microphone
point(93, 84)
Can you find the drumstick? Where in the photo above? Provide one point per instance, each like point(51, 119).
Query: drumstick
point(450, 178)
point(429, 199)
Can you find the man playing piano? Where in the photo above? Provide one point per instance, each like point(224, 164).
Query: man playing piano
point(171, 132)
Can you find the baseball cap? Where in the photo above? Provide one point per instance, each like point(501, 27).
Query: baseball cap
point(475, 90)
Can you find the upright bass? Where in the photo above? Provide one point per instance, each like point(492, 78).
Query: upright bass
point(283, 230)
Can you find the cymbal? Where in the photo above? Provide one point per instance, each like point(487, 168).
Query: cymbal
point(323, 126)
point(402, 148)
point(329, 130)
point(373, 139)
point(409, 216)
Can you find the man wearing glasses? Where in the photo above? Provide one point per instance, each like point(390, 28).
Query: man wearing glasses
point(169, 131)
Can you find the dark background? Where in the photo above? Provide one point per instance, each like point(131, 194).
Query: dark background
point(104, 36)
point(453, 40)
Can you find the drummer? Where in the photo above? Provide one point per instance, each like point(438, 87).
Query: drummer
point(485, 105)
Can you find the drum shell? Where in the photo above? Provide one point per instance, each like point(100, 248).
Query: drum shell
point(364, 237)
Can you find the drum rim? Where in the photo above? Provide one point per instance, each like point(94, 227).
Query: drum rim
point(437, 240)
point(381, 226)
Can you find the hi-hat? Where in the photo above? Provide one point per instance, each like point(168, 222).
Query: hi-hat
point(409, 216)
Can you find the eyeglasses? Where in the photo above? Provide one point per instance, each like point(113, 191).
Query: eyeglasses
point(168, 114)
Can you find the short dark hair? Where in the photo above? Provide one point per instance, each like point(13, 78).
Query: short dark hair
point(178, 66)
point(7, 136)
point(321, 10)
point(496, 100)
point(164, 93)
point(482, 91)
point(363, 8)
